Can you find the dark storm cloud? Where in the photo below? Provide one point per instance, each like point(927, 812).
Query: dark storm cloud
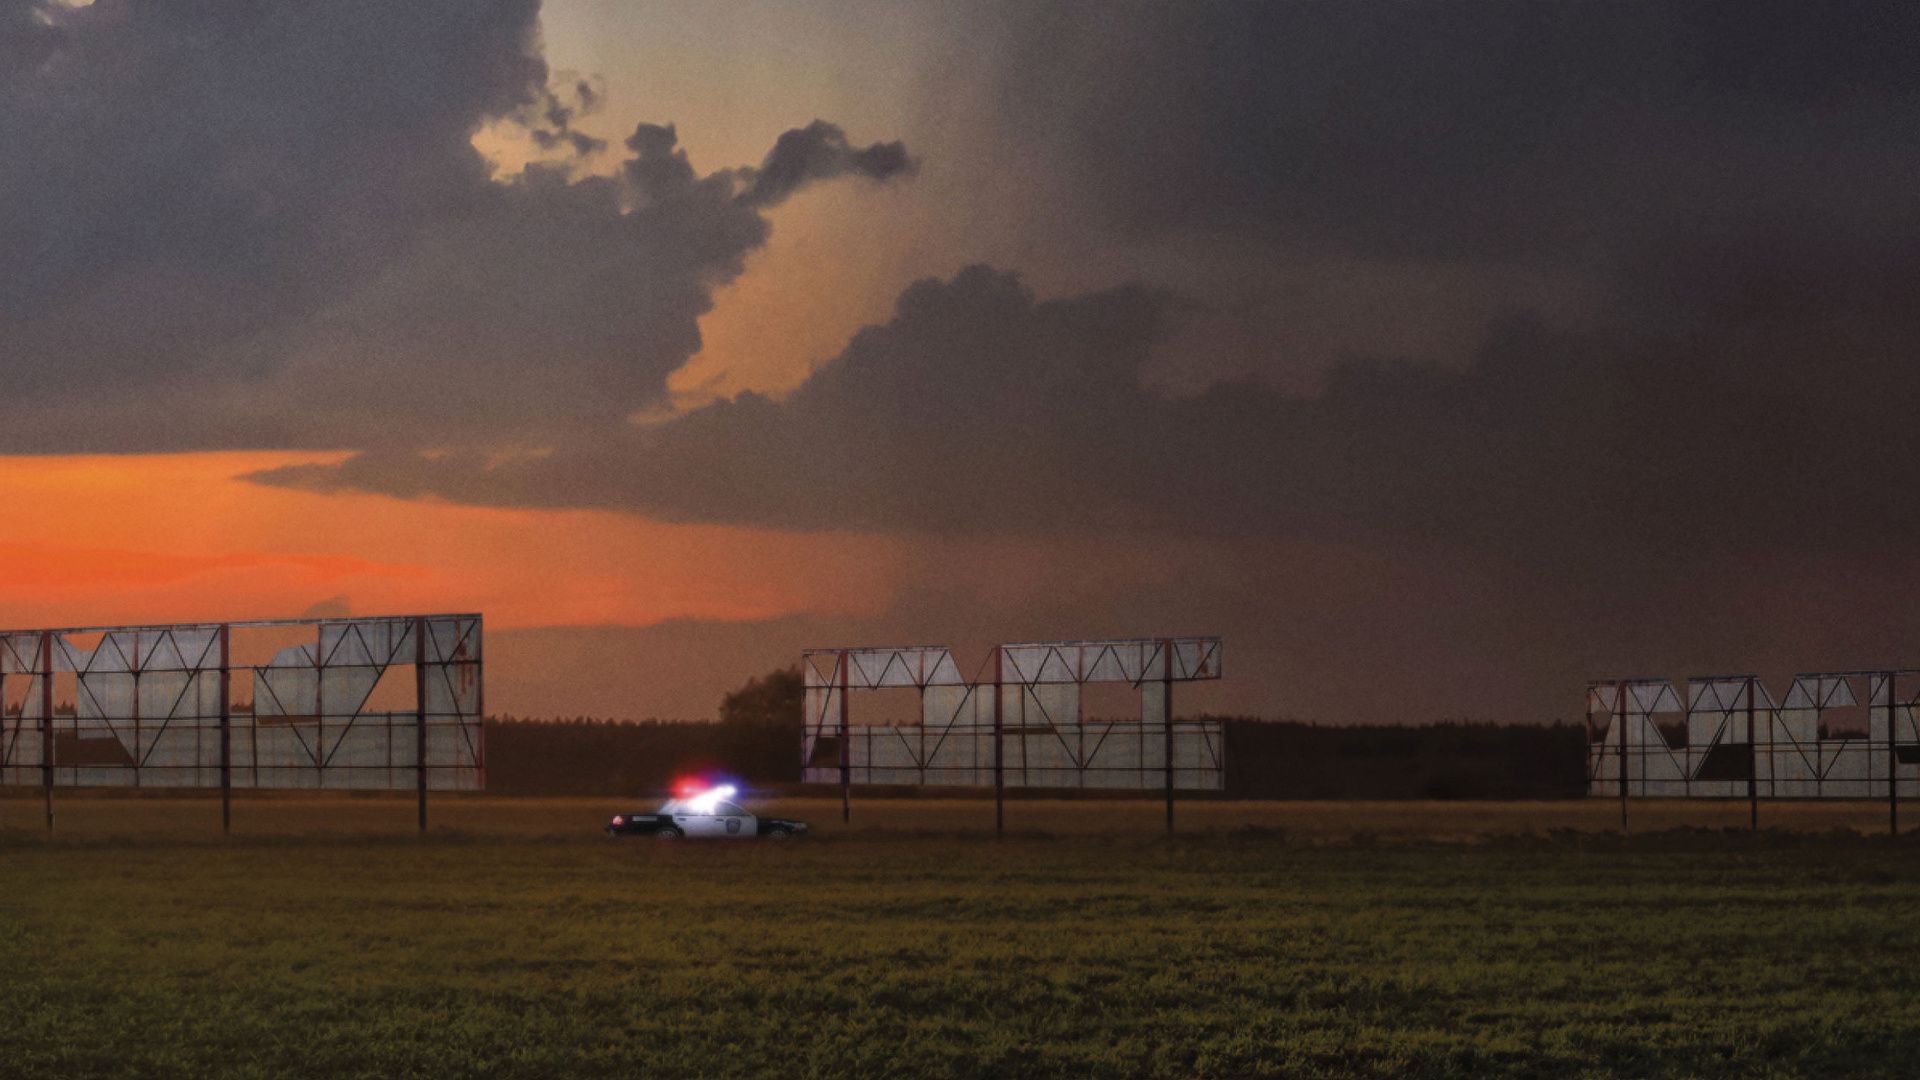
point(551, 122)
point(26, 38)
point(266, 224)
point(973, 396)
point(1766, 414)
point(179, 179)
point(1712, 478)
point(819, 151)
point(1544, 133)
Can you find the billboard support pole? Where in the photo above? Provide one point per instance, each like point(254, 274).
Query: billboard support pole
point(46, 722)
point(1753, 765)
point(138, 752)
point(226, 733)
point(479, 714)
point(846, 772)
point(1893, 769)
point(1166, 715)
point(420, 718)
point(999, 752)
point(1592, 769)
point(1620, 707)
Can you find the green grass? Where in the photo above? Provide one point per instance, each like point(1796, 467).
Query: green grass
point(506, 952)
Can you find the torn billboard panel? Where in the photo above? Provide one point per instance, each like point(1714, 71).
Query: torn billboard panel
point(1837, 735)
point(942, 729)
point(363, 704)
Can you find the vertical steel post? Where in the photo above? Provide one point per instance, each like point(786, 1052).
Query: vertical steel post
point(420, 717)
point(1893, 771)
point(1166, 707)
point(1620, 708)
point(846, 771)
point(319, 718)
point(1080, 722)
point(479, 707)
point(139, 753)
point(999, 752)
point(226, 734)
point(1753, 764)
point(46, 721)
point(1587, 766)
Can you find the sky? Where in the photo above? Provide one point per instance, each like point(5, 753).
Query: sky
point(1440, 357)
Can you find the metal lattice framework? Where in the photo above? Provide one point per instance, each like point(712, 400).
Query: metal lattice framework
point(1733, 738)
point(387, 703)
point(1021, 724)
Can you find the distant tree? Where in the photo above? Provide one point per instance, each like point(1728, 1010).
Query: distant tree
point(761, 723)
point(770, 700)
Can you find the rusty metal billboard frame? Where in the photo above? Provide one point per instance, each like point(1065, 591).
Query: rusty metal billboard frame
point(153, 706)
point(963, 721)
point(1740, 741)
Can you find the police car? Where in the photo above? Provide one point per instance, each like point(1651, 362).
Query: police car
point(710, 813)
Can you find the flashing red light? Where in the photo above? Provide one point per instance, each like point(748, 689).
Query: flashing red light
point(619, 819)
point(691, 789)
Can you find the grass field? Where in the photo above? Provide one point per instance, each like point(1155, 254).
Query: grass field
point(1388, 939)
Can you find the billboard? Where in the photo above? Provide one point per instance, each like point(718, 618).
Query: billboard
point(377, 703)
point(1040, 735)
point(1831, 735)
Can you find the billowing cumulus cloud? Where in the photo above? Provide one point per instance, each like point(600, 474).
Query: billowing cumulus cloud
point(267, 225)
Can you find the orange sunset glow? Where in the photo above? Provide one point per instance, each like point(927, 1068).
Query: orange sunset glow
point(93, 540)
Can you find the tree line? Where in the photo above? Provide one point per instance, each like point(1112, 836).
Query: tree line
point(756, 740)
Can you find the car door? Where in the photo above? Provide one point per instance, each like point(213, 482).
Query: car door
point(687, 820)
point(701, 825)
point(733, 823)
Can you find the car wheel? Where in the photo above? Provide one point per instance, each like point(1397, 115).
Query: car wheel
point(669, 833)
point(777, 833)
